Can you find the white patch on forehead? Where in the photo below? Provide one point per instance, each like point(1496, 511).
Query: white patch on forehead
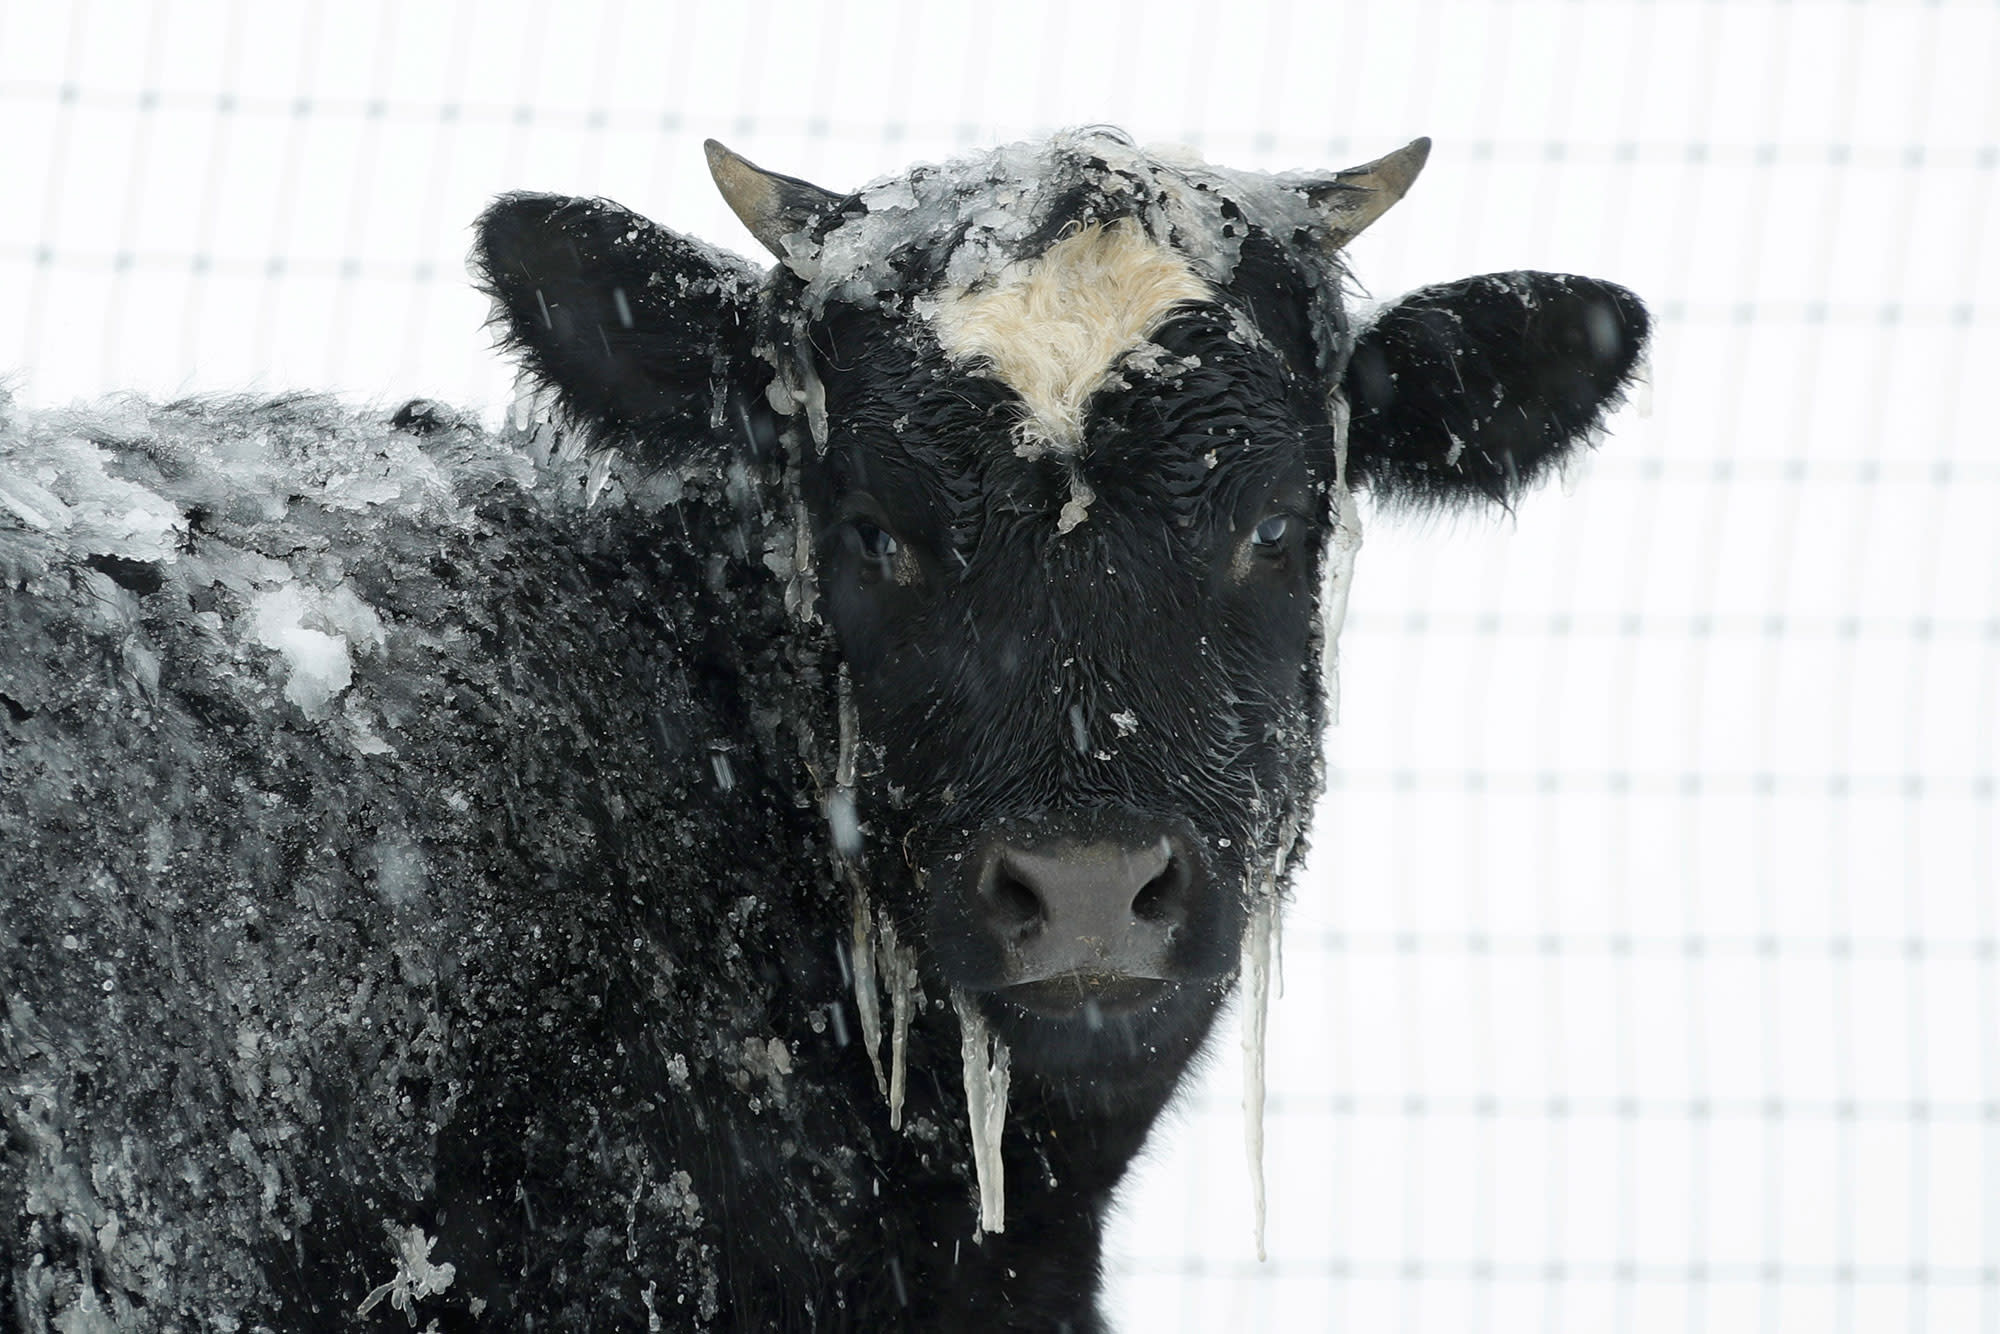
point(1053, 327)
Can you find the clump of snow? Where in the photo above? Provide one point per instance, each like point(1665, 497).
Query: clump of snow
point(317, 664)
point(765, 1060)
point(1154, 360)
point(32, 503)
point(417, 1276)
point(997, 202)
point(312, 631)
point(1077, 508)
point(69, 488)
point(1456, 452)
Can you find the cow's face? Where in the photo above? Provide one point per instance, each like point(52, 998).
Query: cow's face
point(1072, 561)
point(1069, 427)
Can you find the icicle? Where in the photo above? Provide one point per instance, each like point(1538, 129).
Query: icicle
point(850, 738)
point(871, 939)
point(1257, 938)
point(598, 475)
point(844, 823)
point(1278, 949)
point(901, 1003)
point(801, 594)
point(846, 830)
point(811, 395)
point(527, 404)
point(1339, 575)
point(867, 1007)
point(843, 817)
point(899, 971)
point(986, 1109)
point(1261, 947)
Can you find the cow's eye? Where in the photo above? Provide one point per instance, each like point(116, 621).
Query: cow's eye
point(1272, 532)
point(876, 547)
point(876, 544)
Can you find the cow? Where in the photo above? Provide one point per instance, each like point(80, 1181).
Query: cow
point(755, 842)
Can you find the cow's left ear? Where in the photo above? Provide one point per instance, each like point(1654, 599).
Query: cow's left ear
point(1473, 389)
point(643, 334)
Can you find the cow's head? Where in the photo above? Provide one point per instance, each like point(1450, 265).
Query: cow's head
point(1073, 428)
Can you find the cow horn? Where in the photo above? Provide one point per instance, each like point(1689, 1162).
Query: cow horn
point(771, 206)
point(1354, 198)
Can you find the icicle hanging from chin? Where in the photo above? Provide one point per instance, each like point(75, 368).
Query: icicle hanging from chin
point(1260, 953)
point(1261, 934)
point(986, 1079)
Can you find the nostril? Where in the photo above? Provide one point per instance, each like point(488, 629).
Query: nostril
point(1163, 897)
point(1077, 915)
point(1014, 904)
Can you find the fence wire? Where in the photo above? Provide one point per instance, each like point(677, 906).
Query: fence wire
point(1644, 975)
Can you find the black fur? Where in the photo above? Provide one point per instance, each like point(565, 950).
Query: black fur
point(1478, 387)
point(645, 332)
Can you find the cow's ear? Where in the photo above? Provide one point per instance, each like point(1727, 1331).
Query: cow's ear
point(1473, 389)
point(643, 334)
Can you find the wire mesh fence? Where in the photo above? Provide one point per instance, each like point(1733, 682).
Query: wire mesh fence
point(1646, 971)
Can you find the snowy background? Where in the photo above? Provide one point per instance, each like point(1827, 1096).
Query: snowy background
point(1646, 975)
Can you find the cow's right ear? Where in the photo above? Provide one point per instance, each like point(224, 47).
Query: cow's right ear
point(643, 334)
point(1472, 390)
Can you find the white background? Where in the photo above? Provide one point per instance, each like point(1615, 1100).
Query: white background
point(1644, 976)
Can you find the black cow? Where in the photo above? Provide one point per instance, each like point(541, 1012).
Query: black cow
point(756, 844)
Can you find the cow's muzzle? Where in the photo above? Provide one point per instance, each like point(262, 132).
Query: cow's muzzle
point(1076, 926)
